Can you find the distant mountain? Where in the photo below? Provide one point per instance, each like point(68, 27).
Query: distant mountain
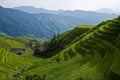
point(105, 10)
point(34, 10)
point(17, 23)
point(31, 9)
point(85, 17)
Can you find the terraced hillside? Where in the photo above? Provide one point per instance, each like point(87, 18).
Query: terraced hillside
point(60, 42)
point(94, 55)
point(11, 63)
point(98, 53)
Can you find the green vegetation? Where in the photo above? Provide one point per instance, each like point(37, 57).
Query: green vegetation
point(88, 54)
point(11, 63)
point(60, 42)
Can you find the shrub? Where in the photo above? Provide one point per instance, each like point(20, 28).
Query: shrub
point(34, 77)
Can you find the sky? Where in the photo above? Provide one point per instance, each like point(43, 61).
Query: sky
point(64, 4)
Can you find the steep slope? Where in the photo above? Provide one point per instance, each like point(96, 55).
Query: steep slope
point(56, 24)
point(60, 42)
point(98, 53)
point(16, 23)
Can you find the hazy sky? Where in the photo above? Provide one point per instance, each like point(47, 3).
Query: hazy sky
point(64, 4)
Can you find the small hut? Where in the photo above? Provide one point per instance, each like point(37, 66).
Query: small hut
point(39, 50)
point(19, 51)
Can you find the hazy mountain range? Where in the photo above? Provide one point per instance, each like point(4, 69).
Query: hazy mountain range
point(41, 23)
point(105, 10)
point(34, 10)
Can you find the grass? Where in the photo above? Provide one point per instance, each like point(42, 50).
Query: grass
point(92, 55)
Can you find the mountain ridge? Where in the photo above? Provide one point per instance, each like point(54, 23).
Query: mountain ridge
point(31, 9)
point(105, 10)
